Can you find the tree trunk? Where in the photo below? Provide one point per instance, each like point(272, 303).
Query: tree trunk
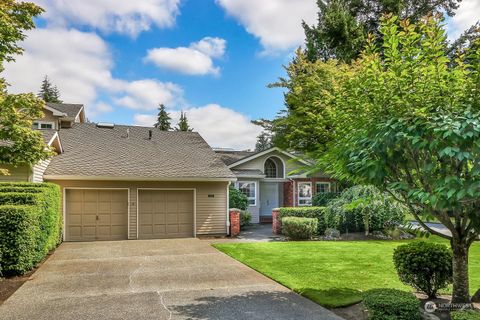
point(461, 290)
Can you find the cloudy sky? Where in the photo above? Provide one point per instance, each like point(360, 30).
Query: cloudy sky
point(210, 58)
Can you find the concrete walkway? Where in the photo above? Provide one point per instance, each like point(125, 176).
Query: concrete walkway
point(152, 279)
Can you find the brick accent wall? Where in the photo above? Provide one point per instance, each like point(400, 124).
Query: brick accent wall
point(276, 222)
point(234, 222)
point(288, 200)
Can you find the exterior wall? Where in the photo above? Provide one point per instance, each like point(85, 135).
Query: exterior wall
point(211, 212)
point(48, 116)
point(258, 163)
point(38, 170)
point(18, 174)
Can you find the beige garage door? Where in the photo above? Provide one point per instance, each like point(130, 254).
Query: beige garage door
point(165, 214)
point(96, 214)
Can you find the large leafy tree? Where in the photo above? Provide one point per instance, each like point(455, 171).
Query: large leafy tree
point(163, 119)
point(405, 117)
point(264, 142)
point(343, 25)
point(183, 123)
point(19, 144)
point(48, 92)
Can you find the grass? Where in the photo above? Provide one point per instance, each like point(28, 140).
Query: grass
point(332, 273)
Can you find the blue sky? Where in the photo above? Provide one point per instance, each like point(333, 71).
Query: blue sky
point(210, 58)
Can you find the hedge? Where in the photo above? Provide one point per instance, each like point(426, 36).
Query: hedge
point(465, 315)
point(391, 304)
point(323, 222)
point(30, 224)
point(296, 228)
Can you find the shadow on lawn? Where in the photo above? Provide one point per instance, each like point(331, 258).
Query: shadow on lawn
point(333, 298)
point(253, 305)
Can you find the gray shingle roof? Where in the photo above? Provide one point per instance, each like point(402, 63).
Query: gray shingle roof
point(229, 157)
point(70, 109)
point(47, 134)
point(103, 152)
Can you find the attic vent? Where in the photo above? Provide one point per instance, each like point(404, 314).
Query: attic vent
point(105, 125)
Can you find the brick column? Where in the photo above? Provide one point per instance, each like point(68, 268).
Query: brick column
point(234, 222)
point(288, 200)
point(276, 222)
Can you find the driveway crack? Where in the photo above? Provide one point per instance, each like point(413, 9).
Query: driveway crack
point(164, 306)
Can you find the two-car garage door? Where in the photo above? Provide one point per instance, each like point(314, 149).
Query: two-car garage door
point(102, 214)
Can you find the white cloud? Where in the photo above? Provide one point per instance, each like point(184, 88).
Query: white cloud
point(126, 17)
point(219, 126)
point(466, 15)
point(80, 64)
point(277, 23)
point(194, 60)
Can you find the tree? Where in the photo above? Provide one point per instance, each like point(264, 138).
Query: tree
point(343, 25)
point(183, 123)
point(20, 144)
point(263, 142)
point(407, 120)
point(48, 92)
point(163, 119)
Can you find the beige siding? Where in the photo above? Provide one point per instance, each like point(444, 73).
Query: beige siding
point(211, 212)
point(20, 173)
point(38, 170)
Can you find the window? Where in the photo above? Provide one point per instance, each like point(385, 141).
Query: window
point(322, 187)
point(304, 193)
point(43, 125)
point(270, 169)
point(250, 190)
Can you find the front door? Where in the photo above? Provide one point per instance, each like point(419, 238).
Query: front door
point(269, 198)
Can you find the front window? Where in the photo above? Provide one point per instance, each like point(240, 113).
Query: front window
point(43, 125)
point(304, 193)
point(322, 187)
point(250, 190)
point(270, 169)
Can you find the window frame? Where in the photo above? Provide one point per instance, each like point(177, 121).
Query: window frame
point(40, 123)
point(329, 189)
point(270, 160)
point(304, 198)
point(254, 198)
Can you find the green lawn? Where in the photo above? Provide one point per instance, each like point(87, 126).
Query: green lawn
point(332, 273)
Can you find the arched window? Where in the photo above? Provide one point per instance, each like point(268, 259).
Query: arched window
point(270, 168)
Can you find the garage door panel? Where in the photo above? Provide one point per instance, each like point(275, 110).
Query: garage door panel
point(118, 207)
point(90, 195)
point(159, 218)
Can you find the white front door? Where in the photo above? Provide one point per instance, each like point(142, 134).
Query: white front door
point(269, 198)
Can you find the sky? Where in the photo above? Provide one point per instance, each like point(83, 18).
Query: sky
point(212, 59)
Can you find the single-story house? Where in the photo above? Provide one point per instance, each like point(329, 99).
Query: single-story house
point(129, 182)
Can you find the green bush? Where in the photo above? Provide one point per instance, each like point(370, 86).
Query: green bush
point(39, 205)
point(425, 266)
point(391, 304)
point(322, 199)
point(237, 199)
point(296, 228)
point(361, 208)
point(245, 219)
point(465, 315)
point(317, 213)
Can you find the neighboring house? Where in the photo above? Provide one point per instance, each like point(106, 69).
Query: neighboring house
point(272, 179)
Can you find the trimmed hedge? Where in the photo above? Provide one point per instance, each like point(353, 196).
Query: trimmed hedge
point(465, 315)
point(391, 304)
point(30, 224)
point(296, 228)
point(317, 213)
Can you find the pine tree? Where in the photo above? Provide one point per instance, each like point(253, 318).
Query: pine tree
point(264, 142)
point(48, 92)
point(183, 123)
point(163, 119)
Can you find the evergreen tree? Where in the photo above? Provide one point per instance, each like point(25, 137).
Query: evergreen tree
point(264, 142)
point(49, 92)
point(183, 123)
point(163, 119)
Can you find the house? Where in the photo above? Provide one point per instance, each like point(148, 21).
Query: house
point(273, 178)
point(129, 182)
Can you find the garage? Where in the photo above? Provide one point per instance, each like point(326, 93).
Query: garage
point(166, 213)
point(96, 214)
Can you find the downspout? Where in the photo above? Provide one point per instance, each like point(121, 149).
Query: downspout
point(228, 208)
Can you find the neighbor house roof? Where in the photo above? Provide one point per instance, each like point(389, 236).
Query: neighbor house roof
point(230, 156)
point(70, 109)
point(126, 152)
point(234, 158)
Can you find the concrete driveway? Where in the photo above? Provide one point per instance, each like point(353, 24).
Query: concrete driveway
point(152, 279)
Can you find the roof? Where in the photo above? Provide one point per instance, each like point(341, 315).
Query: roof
point(126, 152)
point(48, 134)
point(229, 157)
point(70, 109)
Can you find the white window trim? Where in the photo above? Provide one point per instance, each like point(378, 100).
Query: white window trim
point(304, 198)
point(237, 185)
point(323, 182)
point(39, 123)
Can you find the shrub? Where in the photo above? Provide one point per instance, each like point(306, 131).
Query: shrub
point(39, 206)
point(465, 315)
point(245, 218)
point(391, 304)
point(296, 228)
point(237, 199)
point(322, 199)
point(331, 233)
point(317, 213)
point(425, 266)
point(365, 208)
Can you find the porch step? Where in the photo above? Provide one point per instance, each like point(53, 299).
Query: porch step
point(266, 220)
